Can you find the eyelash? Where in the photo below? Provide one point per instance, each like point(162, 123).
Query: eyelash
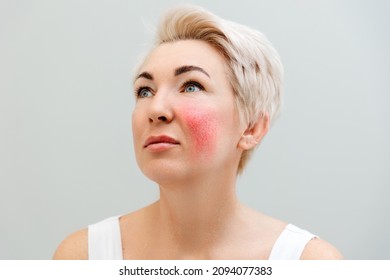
point(187, 83)
point(193, 83)
point(138, 90)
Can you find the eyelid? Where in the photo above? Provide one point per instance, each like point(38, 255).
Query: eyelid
point(195, 83)
point(138, 90)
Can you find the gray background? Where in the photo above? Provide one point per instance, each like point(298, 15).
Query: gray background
point(66, 155)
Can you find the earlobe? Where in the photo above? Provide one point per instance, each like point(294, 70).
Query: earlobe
point(255, 133)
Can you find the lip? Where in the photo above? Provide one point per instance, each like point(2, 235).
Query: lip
point(160, 142)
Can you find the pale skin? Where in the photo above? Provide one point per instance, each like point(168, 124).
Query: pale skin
point(183, 92)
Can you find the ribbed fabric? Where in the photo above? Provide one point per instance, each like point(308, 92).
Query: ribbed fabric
point(104, 242)
point(290, 244)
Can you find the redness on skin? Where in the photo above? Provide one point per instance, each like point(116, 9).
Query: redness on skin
point(202, 127)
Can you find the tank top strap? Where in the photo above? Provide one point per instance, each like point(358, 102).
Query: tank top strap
point(290, 244)
point(104, 240)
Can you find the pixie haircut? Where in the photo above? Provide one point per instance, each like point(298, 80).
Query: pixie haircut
point(253, 67)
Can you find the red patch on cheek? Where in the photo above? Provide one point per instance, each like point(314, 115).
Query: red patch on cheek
point(202, 128)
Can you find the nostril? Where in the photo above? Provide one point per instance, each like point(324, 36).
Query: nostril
point(162, 118)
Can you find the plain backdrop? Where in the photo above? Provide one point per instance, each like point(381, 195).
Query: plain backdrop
point(66, 97)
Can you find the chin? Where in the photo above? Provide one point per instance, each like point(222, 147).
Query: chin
point(162, 174)
point(169, 174)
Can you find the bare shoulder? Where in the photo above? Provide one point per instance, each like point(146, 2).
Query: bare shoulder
point(318, 249)
point(74, 247)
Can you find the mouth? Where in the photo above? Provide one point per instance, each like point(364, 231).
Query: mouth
point(160, 140)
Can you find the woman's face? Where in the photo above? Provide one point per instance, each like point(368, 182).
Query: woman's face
point(185, 122)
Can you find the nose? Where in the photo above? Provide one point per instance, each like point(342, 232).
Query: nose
point(161, 110)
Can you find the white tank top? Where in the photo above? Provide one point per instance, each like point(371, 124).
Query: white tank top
point(105, 242)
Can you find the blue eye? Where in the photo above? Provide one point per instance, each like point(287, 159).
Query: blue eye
point(193, 87)
point(144, 92)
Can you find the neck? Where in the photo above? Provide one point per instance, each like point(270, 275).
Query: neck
point(197, 214)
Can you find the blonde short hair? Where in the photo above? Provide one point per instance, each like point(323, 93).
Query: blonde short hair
point(254, 66)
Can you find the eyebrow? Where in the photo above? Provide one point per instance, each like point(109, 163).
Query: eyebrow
point(188, 68)
point(145, 75)
point(178, 71)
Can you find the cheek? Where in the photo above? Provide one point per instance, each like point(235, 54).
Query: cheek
point(202, 126)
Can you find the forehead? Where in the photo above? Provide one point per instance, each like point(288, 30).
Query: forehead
point(184, 52)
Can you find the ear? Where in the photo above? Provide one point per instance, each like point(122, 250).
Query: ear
point(255, 133)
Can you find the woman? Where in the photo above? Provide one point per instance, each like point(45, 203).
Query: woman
point(205, 98)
